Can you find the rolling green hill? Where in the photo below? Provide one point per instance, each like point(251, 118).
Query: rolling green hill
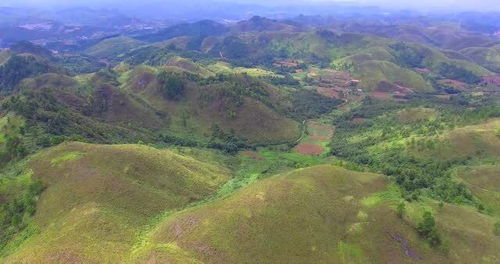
point(308, 140)
point(319, 214)
point(239, 103)
point(113, 48)
point(487, 57)
point(108, 201)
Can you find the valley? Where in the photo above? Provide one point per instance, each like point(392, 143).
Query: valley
point(300, 140)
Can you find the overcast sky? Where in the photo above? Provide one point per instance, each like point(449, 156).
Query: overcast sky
point(485, 5)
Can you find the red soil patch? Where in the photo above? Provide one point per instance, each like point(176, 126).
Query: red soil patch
point(492, 80)
point(381, 95)
point(403, 89)
point(253, 155)
point(288, 63)
point(422, 70)
point(345, 108)
point(319, 132)
point(309, 149)
point(454, 83)
point(328, 92)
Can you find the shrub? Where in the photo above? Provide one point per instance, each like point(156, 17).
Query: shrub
point(227, 142)
point(496, 228)
point(15, 214)
point(428, 230)
point(401, 209)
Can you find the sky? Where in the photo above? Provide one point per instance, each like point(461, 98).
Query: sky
point(479, 5)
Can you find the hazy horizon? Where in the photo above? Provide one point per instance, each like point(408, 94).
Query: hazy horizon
point(422, 5)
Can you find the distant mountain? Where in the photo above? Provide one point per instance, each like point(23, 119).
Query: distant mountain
point(199, 29)
point(258, 23)
point(353, 138)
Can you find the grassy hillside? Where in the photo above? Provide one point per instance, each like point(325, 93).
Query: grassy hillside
point(373, 73)
point(107, 200)
point(239, 103)
point(419, 151)
point(199, 29)
point(4, 56)
point(263, 141)
point(463, 143)
point(113, 48)
point(483, 182)
point(487, 57)
point(318, 214)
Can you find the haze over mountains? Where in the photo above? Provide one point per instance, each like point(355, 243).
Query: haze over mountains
point(197, 9)
point(250, 132)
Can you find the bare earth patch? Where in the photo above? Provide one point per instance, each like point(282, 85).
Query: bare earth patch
point(358, 120)
point(253, 155)
point(381, 95)
point(328, 92)
point(318, 135)
point(454, 83)
point(309, 149)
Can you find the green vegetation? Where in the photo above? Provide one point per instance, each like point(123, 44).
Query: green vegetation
point(108, 200)
point(452, 71)
point(19, 67)
point(113, 48)
point(406, 55)
point(264, 141)
point(19, 195)
point(486, 57)
point(496, 229)
point(409, 151)
point(428, 230)
point(372, 73)
point(172, 85)
point(310, 104)
point(400, 210)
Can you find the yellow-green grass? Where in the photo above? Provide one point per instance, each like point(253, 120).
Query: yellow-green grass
point(484, 182)
point(252, 120)
point(320, 214)
point(373, 72)
point(189, 66)
point(412, 115)
point(4, 56)
point(486, 57)
point(296, 217)
point(466, 142)
point(379, 53)
point(126, 110)
point(50, 80)
point(226, 68)
point(434, 57)
point(98, 197)
point(318, 135)
point(112, 48)
point(121, 109)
